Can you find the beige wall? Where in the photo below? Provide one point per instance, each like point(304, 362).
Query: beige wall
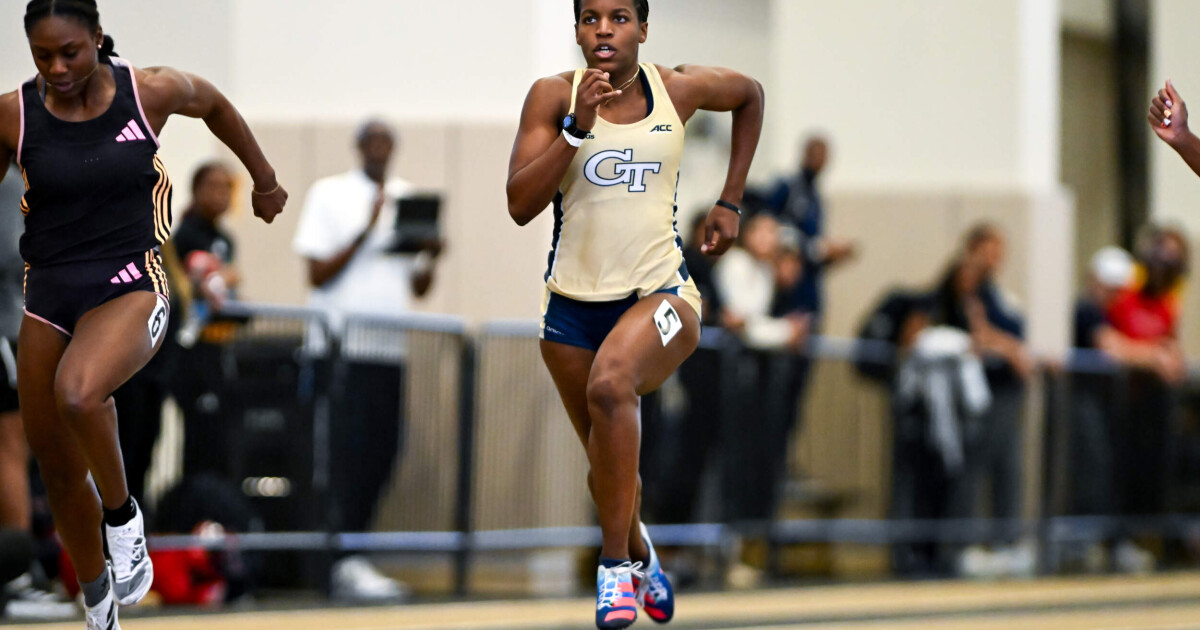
point(935, 94)
point(1089, 157)
point(1092, 18)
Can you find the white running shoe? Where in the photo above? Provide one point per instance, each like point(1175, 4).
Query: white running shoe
point(125, 546)
point(26, 600)
point(1130, 558)
point(357, 580)
point(103, 616)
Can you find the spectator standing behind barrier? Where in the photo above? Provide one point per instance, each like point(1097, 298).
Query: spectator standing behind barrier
point(747, 284)
point(191, 373)
point(204, 246)
point(673, 452)
point(1096, 399)
point(1149, 314)
point(1092, 394)
point(345, 233)
point(797, 202)
point(205, 254)
point(967, 298)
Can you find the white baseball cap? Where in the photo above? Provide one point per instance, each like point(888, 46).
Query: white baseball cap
point(1112, 267)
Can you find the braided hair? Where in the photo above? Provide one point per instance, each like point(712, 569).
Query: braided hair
point(641, 6)
point(83, 10)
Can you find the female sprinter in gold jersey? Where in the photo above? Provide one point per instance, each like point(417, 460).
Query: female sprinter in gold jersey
point(621, 313)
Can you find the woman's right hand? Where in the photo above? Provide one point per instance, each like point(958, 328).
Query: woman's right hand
point(595, 89)
point(1169, 116)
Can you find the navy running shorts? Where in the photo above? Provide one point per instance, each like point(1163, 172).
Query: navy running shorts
point(585, 324)
point(59, 295)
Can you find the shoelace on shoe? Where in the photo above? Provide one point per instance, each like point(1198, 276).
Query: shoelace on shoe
point(610, 591)
point(650, 584)
point(129, 537)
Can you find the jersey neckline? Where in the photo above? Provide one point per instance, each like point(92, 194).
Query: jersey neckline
point(41, 100)
point(648, 83)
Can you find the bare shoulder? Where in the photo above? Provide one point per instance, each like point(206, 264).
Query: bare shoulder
point(550, 95)
point(9, 104)
point(668, 73)
point(555, 87)
point(162, 90)
point(683, 85)
point(679, 74)
point(10, 119)
point(161, 79)
point(681, 79)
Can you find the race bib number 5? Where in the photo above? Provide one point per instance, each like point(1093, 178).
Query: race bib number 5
point(667, 321)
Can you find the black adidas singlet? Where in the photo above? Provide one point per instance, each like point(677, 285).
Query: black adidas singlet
point(94, 189)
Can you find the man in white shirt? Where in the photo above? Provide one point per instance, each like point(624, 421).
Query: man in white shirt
point(346, 231)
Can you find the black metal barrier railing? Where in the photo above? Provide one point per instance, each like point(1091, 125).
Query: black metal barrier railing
point(419, 434)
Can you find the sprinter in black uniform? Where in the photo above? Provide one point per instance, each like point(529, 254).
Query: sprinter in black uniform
point(84, 132)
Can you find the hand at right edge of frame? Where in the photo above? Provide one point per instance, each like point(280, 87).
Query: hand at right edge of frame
point(1169, 116)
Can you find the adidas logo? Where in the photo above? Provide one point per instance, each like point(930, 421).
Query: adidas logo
point(131, 133)
point(127, 275)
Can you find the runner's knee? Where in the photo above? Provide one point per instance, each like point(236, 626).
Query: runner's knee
point(78, 396)
point(609, 389)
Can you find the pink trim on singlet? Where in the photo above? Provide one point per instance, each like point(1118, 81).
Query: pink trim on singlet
point(21, 136)
point(138, 97)
point(49, 323)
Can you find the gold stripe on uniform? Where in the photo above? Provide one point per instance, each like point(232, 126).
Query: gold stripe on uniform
point(24, 203)
point(158, 187)
point(155, 273)
point(162, 274)
point(162, 195)
point(25, 279)
point(150, 270)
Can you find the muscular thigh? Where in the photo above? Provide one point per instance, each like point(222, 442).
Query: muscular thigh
point(112, 342)
point(40, 350)
point(569, 367)
point(650, 341)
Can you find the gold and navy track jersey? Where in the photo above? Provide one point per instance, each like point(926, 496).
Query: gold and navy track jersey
point(95, 189)
point(614, 215)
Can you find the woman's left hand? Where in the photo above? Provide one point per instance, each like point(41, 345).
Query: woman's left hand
point(720, 230)
point(267, 206)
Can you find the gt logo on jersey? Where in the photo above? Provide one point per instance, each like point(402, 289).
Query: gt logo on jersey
point(628, 172)
point(661, 129)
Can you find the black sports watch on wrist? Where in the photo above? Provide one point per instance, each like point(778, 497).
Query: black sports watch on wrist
point(569, 125)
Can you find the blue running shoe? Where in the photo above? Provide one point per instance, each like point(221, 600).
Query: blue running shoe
point(616, 606)
point(654, 593)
